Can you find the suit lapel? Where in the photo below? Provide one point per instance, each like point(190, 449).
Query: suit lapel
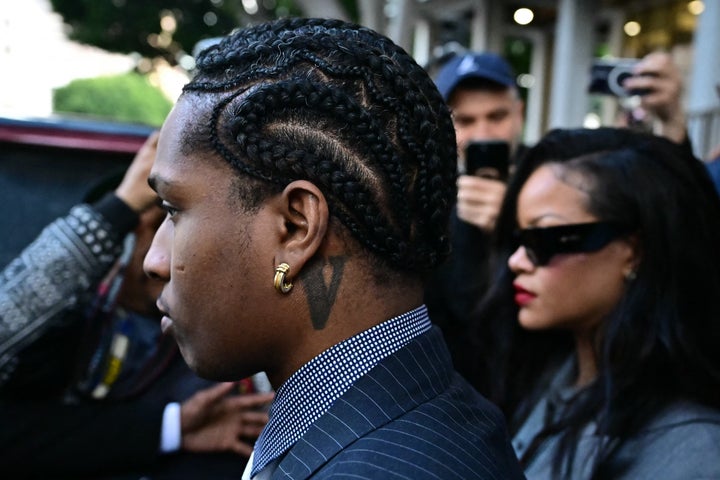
point(413, 375)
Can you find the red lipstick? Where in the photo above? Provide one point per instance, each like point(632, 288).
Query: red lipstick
point(522, 296)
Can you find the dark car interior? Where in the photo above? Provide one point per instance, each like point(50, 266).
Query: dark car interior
point(47, 166)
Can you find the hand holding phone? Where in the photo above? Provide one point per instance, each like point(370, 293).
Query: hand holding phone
point(489, 159)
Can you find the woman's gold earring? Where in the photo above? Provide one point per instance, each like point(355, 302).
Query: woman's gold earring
point(279, 281)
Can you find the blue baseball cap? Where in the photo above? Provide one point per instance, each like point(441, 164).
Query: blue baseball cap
point(487, 66)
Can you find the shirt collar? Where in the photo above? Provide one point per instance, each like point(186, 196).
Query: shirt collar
point(310, 392)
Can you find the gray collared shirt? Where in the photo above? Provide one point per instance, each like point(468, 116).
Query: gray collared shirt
point(681, 442)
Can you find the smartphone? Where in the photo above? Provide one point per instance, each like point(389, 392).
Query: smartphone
point(607, 77)
point(489, 159)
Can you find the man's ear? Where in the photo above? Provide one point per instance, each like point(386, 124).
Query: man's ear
point(305, 216)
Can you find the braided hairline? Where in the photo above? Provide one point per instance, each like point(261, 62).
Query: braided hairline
point(267, 107)
point(431, 190)
point(351, 71)
point(288, 30)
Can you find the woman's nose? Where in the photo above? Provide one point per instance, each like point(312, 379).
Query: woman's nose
point(519, 261)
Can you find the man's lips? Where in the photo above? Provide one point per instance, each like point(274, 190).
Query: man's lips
point(523, 296)
point(166, 321)
point(166, 324)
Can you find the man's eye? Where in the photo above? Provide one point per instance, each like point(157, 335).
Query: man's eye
point(499, 117)
point(170, 210)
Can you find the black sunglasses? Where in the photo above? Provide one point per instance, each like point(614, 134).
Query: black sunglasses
point(541, 244)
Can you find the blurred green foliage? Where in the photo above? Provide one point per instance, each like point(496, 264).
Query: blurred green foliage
point(128, 98)
point(127, 26)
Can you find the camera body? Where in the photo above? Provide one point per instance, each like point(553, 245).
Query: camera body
point(489, 159)
point(607, 77)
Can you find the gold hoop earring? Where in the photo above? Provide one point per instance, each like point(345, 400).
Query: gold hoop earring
point(279, 281)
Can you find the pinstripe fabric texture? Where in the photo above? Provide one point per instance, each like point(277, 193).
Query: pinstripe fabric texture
point(310, 391)
point(411, 417)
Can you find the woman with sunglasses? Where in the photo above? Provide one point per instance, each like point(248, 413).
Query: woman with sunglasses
point(601, 335)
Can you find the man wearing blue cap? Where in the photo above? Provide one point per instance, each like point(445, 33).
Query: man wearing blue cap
point(481, 91)
point(483, 96)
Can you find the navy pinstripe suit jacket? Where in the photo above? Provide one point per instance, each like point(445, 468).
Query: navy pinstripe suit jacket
point(411, 417)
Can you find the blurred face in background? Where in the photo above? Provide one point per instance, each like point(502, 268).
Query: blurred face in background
point(483, 114)
point(140, 292)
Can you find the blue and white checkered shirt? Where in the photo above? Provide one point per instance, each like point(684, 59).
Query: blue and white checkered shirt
point(309, 392)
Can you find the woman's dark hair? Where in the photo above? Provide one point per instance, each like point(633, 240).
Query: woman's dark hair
point(661, 341)
point(345, 108)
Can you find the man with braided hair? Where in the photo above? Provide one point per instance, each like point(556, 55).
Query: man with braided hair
point(308, 171)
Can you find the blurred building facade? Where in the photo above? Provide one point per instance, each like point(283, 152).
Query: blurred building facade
point(36, 57)
point(552, 53)
point(556, 48)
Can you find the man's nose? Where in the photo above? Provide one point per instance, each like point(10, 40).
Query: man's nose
point(157, 260)
point(481, 131)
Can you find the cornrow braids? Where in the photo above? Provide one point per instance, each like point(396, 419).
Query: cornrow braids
point(341, 106)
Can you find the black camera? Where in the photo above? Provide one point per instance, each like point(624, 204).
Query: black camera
point(607, 77)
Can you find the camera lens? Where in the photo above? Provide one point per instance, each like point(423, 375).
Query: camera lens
point(616, 77)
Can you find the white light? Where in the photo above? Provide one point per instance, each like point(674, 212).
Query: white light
point(250, 6)
point(391, 9)
point(152, 40)
point(164, 39)
point(696, 7)
point(168, 22)
point(592, 120)
point(187, 62)
point(632, 28)
point(523, 16)
point(210, 19)
point(525, 80)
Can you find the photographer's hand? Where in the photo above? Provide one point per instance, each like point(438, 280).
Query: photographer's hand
point(657, 73)
point(214, 421)
point(134, 189)
point(479, 200)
